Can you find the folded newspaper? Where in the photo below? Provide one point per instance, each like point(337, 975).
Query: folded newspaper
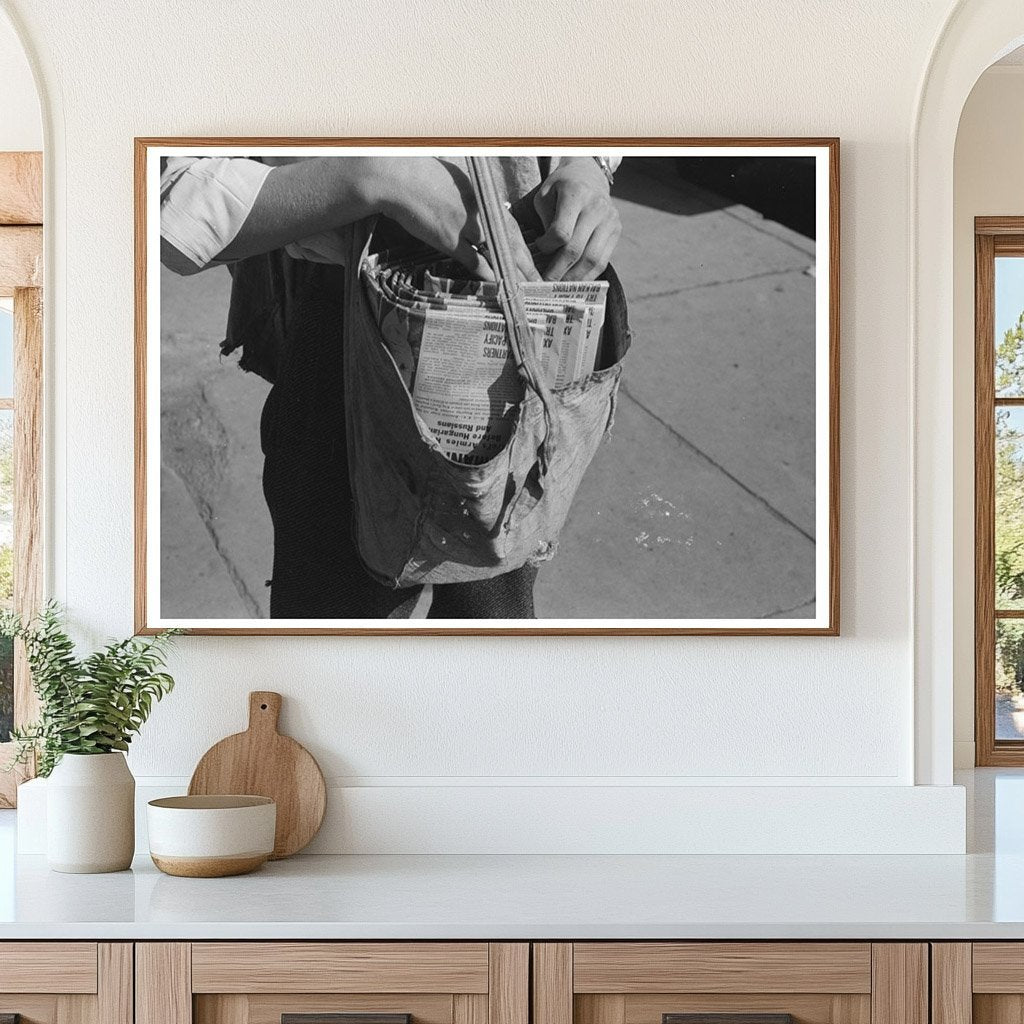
point(449, 341)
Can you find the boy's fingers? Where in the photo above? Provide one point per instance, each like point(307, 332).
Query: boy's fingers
point(596, 255)
point(527, 270)
point(473, 261)
point(575, 247)
point(526, 266)
point(568, 206)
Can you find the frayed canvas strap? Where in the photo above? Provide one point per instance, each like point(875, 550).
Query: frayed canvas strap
point(510, 294)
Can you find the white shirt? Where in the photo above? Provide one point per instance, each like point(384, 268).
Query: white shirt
point(204, 201)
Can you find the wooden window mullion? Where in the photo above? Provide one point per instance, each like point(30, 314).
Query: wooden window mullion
point(984, 501)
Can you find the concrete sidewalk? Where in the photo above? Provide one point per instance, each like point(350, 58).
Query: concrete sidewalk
point(700, 504)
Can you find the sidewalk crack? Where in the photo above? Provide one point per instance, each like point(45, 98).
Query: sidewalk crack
point(700, 453)
point(782, 612)
point(206, 517)
point(633, 299)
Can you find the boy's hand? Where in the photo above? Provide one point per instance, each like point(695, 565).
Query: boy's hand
point(581, 225)
point(433, 200)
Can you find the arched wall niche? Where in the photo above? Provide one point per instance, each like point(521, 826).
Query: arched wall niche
point(976, 34)
point(989, 148)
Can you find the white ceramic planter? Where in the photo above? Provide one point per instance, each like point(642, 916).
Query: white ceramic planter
point(90, 814)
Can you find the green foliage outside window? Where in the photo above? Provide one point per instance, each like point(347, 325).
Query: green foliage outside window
point(1009, 510)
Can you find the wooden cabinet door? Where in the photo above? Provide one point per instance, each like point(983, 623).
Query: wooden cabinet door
point(66, 982)
point(980, 982)
point(332, 983)
point(730, 983)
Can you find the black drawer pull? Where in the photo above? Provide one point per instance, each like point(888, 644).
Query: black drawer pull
point(10, 1018)
point(339, 1018)
point(727, 1018)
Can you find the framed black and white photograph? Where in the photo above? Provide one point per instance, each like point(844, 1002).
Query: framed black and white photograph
point(487, 385)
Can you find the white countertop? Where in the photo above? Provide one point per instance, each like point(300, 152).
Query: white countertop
point(496, 897)
point(977, 896)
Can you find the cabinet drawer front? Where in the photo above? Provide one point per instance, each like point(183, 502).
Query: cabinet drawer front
point(807, 1009)
point(339, 967)
point(998, 967)
point(637, 967)
point(59, 967)
point(652, 1009)
point(269, 1009)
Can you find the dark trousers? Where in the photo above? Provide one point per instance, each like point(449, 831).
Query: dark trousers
point(317, 570)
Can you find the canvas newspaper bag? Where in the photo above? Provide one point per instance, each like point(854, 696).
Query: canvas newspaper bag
point(420, 517)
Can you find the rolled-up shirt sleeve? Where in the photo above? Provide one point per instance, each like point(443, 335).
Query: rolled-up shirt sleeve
point(204, 201)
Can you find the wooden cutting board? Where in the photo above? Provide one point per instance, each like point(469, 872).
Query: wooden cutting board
point(262, 762)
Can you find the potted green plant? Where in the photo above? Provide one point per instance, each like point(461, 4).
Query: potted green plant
point(90, 708)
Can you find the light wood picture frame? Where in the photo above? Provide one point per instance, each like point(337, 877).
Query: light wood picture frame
point(777, 533)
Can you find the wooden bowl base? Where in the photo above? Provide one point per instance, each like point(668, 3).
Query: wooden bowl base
point(209, 867)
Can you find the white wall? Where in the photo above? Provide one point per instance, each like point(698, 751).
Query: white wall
point(440, 713)
point(21, 127)
point(988, 181)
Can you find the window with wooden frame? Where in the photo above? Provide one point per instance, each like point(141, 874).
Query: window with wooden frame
point(21, 363)
point(999, 490)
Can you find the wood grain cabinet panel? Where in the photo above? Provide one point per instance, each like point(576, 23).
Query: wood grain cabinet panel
point(490, 983)
point(804, 1008)
point(258, 982)
point(899, 983)
point(163, 982)
point(64, 967)
point(808, 982)
point(980, 982)
point(951, 997)
point(998, 967)
point(267, 1009)
point(634, 967)
point(66, 982)
point(977, 983)
point(552, 983)
point(340, 967)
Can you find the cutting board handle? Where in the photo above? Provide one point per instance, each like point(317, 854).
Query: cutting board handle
point(264, 710)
